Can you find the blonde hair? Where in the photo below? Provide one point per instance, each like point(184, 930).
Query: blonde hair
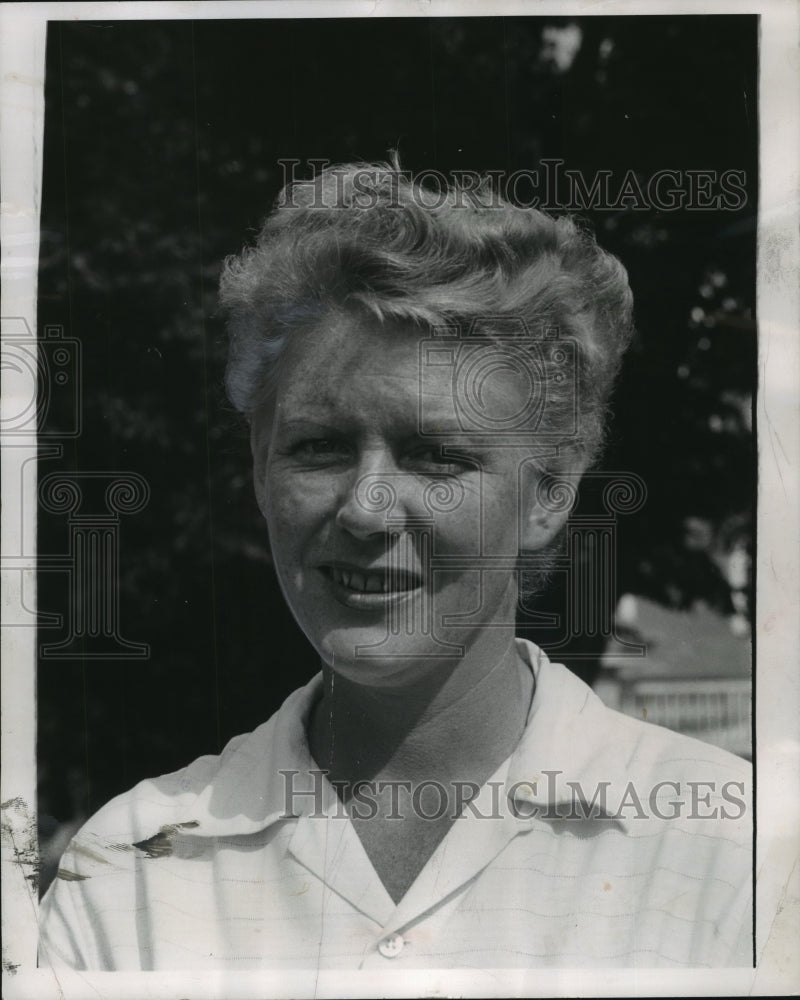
point(367, 237)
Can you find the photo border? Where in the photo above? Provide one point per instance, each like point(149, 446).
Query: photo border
point(777, 686)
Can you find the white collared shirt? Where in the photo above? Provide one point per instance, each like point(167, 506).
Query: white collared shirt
point(221, 866)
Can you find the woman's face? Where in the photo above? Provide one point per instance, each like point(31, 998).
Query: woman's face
point(391, 552)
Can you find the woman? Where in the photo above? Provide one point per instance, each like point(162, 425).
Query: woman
point(418, 368)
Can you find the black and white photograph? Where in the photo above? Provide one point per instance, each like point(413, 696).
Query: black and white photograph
point(400, 500)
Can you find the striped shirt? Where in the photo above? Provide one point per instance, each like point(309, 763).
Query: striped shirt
point(601, 841)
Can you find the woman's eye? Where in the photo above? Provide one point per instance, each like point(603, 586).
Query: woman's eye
point(319, 450)
point(433, 459)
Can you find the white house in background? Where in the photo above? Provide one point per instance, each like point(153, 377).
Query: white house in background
point(696, 675)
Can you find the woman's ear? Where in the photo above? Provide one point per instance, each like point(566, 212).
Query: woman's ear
point(547, 500)
point(260, 437)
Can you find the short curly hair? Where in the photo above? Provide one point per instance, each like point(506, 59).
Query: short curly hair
point(369, 238)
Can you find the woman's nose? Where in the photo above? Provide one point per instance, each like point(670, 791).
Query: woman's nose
point(376, 497)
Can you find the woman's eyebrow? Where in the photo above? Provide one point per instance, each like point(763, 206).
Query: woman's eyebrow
point(308, 424)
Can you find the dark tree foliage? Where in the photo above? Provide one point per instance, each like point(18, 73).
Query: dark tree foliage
point(161, 157)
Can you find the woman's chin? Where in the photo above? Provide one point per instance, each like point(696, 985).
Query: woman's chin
point(385, 661)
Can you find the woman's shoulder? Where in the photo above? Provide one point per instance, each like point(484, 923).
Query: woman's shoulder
point(573, 725)
point(156, 806)
point(653, 744)
point(210, 792)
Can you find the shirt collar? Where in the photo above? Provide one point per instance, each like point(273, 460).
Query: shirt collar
point(269, 774)
point(246, 792)
point(570, 749)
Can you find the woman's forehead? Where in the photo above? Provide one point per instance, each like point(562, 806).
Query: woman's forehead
point(362, 371)
point(345, 342)
point(346, 333)
point(346, 356)
point(375, 386)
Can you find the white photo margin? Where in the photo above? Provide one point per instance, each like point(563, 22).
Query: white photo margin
point(23, 28)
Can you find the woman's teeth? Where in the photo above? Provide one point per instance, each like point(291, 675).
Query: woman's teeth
point(383, 582)
point(370, 583)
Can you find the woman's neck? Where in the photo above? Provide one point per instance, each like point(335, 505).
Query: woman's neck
point(459, 723)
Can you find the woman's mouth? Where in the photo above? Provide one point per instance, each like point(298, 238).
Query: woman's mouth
point(370, 588)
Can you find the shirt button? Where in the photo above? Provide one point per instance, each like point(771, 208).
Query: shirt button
point(390, 947)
